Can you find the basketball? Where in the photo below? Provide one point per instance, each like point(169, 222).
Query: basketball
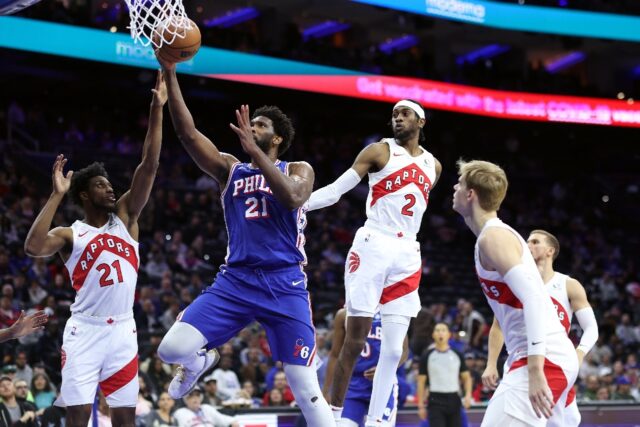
point(183, 48)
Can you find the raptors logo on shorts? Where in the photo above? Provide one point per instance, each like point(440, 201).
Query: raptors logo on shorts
point(353, 262)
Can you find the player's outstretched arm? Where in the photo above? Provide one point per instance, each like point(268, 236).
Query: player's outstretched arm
point(292, 190)
point(337, 342)
point(370, 158)
point(585, 315)
point(500, 250)
point(131, 203)
point(41, 241)
point(25, 325)
point(496, 341)
point(199, 147)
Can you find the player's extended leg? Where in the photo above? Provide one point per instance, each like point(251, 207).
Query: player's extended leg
point(78, 415)
point(303, 381)
point(123, 417)
point(358, 328)
point(394, 330)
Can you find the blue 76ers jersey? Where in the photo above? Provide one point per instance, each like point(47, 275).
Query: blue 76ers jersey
point(262, 233)
point(360, 387)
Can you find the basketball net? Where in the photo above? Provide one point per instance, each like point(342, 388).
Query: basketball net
point(157, 22)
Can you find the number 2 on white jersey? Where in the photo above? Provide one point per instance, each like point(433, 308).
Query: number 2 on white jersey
point(406, 210)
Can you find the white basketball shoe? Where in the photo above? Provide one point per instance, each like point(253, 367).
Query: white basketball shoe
point(185, 379)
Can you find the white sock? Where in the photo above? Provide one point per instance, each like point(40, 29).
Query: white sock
point(394, 330)
point(337, 412)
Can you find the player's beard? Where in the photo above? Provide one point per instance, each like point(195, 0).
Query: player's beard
point(403, 134)
point(264, 143)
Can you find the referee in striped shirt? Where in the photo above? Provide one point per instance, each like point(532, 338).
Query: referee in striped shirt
point(442, 368)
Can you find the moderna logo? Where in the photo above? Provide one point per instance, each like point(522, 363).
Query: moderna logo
point(132, 51)
point(457, 9)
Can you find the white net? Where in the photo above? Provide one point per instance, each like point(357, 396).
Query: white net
point(157, 22)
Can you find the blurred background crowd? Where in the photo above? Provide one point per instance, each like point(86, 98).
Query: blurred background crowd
point(560, 180)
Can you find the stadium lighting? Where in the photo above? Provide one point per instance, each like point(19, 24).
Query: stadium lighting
point(483, 53)
point(324, 29)
point(232, 17)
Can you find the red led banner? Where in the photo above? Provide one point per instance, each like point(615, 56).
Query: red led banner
point(458, 98)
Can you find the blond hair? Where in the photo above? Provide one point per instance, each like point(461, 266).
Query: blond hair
point(487, 179)
point(551, 241)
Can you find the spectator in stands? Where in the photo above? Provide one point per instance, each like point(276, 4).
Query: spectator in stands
point(274, 398)
point(22, 390)
point(472, 324)
point(23, 370)
point(602, 394)
point(249, 392)
point(255, 368)
point(12, 411)
point(279, 383)
point(623, 390)
point(591, 388)
point(43, 393)
point(198, 414)
point(211, 391)
point(162, 416)
point(227, 380)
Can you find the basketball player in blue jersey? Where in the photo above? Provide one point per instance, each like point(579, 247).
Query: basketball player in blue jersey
point(262, 278)
point(361, 384)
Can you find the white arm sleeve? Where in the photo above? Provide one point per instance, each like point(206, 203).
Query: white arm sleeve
point(587, 320)
point(330, 194)
point(527, 286)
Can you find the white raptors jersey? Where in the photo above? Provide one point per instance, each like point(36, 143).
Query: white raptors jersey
point(506, 306)
point(103, 267)
point(557, 288)
point(399, 192)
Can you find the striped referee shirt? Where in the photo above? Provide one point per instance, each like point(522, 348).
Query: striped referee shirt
point(443, 369)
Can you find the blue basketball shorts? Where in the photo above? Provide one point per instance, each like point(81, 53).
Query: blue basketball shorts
point(277, 299)
point(356, 407)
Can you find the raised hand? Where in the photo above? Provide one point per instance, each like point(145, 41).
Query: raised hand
point(61, 182)
point(26, 325)
point(160, 91)
point(166, 65)
point(243, 130)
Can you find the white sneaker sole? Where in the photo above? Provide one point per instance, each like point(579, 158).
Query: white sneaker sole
point(212, 357)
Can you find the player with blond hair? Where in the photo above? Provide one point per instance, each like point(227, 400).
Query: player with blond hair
point(542, 364)
point(569, 298)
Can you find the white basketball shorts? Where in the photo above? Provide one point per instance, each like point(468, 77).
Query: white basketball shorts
point(510, 404)
point(99, 351)
point(382, 269)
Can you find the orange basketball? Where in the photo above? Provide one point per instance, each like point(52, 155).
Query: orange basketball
point(184, 46)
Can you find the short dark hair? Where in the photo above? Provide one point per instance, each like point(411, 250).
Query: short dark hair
point(80, 179)
point(551, 241)
point(282, 125)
